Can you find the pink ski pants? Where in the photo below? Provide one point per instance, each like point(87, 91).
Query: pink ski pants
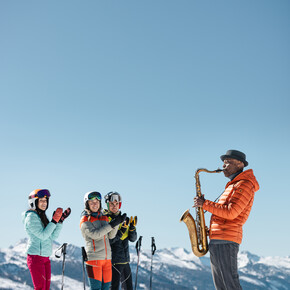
point(40, 271)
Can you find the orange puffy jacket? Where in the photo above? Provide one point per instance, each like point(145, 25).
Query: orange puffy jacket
point(233, 208)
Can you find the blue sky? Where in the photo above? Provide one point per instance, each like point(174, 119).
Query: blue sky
point(134, 96)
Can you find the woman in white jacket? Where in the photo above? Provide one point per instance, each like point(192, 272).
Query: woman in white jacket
point(97, 230)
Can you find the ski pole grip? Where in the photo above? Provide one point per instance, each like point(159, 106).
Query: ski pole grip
point(64, 248)
point(138, 244)
point(153, 246)
point(84, 254)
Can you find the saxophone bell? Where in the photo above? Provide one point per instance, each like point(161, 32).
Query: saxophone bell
point(197, 229)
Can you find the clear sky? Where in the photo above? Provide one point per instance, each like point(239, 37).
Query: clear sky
point(134, 96)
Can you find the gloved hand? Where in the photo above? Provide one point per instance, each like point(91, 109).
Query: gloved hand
point(133, 222)
point(125, 225)
point(126, 222)
point(57, 215)
point(117, 220)
point(65, 214)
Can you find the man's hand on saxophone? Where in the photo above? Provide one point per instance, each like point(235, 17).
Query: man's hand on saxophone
point(199, 201)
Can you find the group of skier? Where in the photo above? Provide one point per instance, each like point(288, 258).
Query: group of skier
point(106, 232)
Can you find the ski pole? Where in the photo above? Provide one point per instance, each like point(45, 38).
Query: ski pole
point(62, 248)
point(138, 248)
point(153, 249)
point(85, 258)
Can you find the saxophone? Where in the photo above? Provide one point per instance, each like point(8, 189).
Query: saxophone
point(197, 229)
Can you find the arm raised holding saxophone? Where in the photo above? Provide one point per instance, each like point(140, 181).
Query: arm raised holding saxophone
point(199, 201)
point(228, 217)
point(197, 228)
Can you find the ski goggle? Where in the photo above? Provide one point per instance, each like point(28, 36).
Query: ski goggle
point(94, 195)
point(115, 197)
point(40, 193)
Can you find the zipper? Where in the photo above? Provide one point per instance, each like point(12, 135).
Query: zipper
point(105, 247)
point(94, 245)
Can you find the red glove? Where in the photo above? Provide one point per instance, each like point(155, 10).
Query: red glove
point(65, 214)
point(57, 215)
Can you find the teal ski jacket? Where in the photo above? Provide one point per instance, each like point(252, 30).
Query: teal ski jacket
point(40, 238)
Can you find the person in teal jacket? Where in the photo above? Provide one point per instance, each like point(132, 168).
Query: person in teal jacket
point(41, 234)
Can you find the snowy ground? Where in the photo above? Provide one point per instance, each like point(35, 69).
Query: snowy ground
point(69, 284)
point(8, 284)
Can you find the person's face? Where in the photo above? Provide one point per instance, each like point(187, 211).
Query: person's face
point(42, 203)
point(94, 205)
point(231, 166)
point(114, 206)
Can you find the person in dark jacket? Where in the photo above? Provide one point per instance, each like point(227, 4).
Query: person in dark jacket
point(97, 230)
point(121, 271)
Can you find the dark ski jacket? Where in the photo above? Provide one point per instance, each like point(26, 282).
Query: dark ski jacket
point(120, 244)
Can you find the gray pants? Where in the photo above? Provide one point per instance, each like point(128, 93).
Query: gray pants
point(224, 265)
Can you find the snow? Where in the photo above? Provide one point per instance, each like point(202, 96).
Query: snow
point(8, 284)
point(252, 281)
point(20, 247)
point(183, 255)
point(16, 255)
point(176, 256)
point(279, 262)
point(173, 260)
point(68, 284)
point(245, 258)
point(276, 285)
point(264, 272)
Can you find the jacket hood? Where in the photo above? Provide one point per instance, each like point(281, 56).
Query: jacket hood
point(94, 214)
point(246, 175)
point(24, 214)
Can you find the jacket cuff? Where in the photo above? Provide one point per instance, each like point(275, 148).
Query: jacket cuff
point(206, 205)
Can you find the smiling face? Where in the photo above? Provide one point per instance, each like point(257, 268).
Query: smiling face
point(42, 203)
point(94, 205)
point(231, 166)
point(114, 206)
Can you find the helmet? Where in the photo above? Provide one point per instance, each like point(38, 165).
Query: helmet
point(90, 196)
point(113, 196)
point(35, 194)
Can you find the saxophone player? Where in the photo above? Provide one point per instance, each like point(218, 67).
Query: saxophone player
point(228, 217)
